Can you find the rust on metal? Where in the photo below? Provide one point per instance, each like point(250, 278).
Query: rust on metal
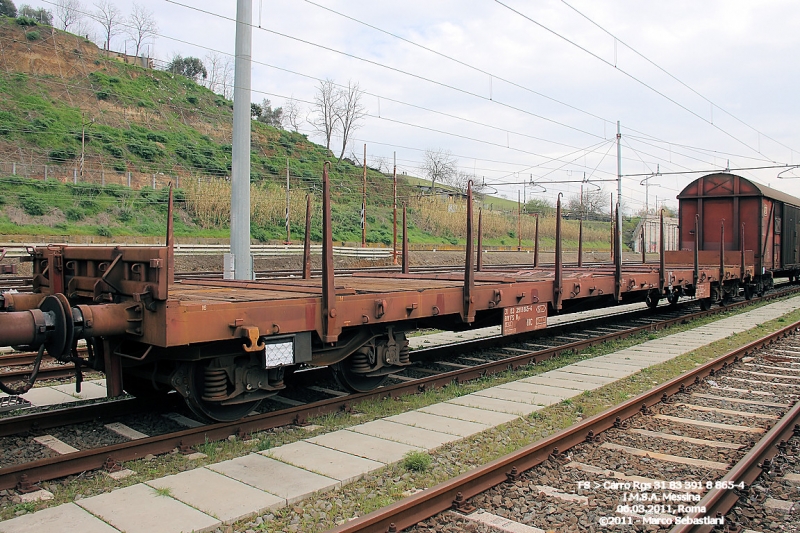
point(170, 240)
point(721, 254)
point(642, 245)
point(307, 241)
point(405, 242)
point(558, 280)
point(536, 243)
point(479, 266)
point(468, 313)
point(662, 268)
point(617, 261)
point(329, 333)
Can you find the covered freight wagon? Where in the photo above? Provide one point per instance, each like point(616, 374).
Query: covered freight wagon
point(755, 217)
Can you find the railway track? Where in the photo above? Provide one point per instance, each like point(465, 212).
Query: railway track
point(433, 367)
point(676, 458)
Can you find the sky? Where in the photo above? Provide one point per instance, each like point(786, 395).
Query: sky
point(531, 92)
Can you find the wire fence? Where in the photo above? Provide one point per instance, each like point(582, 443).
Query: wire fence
point(92, 174)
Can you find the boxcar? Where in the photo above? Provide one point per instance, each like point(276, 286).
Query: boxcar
point(755, 217)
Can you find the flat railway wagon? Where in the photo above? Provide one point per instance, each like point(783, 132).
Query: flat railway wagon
point(729, 209)
point(226, 345)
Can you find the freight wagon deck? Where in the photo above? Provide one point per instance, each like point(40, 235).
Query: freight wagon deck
point(225, 345)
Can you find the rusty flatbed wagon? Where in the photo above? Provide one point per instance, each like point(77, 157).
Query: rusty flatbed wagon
point(225, 345)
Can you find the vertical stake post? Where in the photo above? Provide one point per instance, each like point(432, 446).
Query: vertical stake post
point(644, 252)
point(170, 241)
point(405, 242)
point(662, 267)
point(696, 251)
point(617, 260)
point(580, 242)
point(536, 243)
point(468, 314)
point(721, 254)
point(741, 245)
point(307, 241)
point(519, 223)
point(479, 267)
point(364, 202)
point(328, 287)
point(611, 257)
point(288, 226)
point(394, 210)
point(557, 282)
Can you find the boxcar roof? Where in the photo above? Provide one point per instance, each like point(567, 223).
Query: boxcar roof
point(724, 188)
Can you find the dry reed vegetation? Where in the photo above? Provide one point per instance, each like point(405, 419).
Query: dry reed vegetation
point(448, 217)
point(209, 201)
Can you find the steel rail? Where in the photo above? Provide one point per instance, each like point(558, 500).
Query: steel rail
point(429, 502)
point(92, 459)
point(717, 502)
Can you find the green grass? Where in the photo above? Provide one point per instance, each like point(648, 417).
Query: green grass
point(416, 461)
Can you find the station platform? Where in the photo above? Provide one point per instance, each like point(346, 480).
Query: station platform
point(206, 498)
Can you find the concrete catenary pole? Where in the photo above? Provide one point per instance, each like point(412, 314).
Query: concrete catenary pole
point(240, 161)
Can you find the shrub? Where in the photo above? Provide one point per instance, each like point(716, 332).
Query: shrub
point(104, 231)
point(117, 191)
point(33, 206)
point(102, 95)
point(146, 150)
point(119, 166)
point(156, 137)
point(62, 154)
point(90, 205)
point(192, 99)
point(115, 151)
point(74, 214)
point(416, 461)
point(125, 214)
point(26, 21)
point(32, 35)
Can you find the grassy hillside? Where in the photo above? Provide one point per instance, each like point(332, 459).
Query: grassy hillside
point(62, 98)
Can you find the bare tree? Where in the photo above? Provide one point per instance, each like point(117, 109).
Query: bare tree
point(109, 17)
point(439, 165)
point(349, 112)
point(291, 113)
point(324, 117)
point(220, 73)
point(141, 26)
point(595, 203)
point(69, 13)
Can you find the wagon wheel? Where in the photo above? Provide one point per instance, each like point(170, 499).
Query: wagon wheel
point(348, 377)
point(748, 291)
point(212, 410)
point(705, 304)
point(652, 299)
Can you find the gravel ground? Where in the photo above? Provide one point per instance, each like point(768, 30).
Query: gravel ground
point(523, 500)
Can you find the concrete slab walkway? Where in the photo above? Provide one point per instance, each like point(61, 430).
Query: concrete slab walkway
point(193, 501)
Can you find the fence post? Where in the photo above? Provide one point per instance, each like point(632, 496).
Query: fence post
point(154, 181)
point(129, 179)
point(14, 168)
point(177, 182)
point(103, 178)
point(45, 173)
point(74, 176)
